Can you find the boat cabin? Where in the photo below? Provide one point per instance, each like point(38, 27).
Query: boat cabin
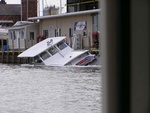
point(55, 52)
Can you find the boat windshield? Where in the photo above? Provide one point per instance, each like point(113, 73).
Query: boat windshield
point(44, 55)
point(53, 50)
point(61, 45)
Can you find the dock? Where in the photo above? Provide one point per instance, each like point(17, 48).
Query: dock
point(10, 57)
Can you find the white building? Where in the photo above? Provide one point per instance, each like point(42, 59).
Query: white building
point(22, 35)
point(78, 27)
point(82, 24)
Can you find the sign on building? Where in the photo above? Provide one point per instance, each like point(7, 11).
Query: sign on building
point(80, 25)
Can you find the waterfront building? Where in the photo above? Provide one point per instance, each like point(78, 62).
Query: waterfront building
point(22, 35)
point(75, 24)
point(10, 14)
point(81, 29)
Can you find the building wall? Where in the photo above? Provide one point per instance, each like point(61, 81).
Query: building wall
point(20, 42)
point(64, 23)
point(14, 18)
point(15, 40)
point(30, 41)
point(29, 9)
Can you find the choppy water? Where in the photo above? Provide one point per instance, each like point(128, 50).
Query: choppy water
point(49, 90)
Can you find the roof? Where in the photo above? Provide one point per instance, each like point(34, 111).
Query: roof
point(21, 23)
point(10, 9)
point(40, 47)
point(66, 14)
point(6, 21)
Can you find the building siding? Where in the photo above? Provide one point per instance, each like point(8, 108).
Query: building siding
point(29, 9)
point(26, 42)
point(64, 23)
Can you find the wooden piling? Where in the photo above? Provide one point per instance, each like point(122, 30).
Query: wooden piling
point(9, 55)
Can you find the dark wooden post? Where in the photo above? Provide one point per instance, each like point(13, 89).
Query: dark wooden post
point(25, 44)
point(13, 55)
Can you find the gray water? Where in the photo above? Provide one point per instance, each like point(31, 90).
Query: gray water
point(49, 89)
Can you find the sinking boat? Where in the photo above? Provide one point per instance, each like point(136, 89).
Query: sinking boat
point(56, 52)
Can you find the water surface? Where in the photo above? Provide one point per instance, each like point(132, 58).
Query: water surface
point(49, 89)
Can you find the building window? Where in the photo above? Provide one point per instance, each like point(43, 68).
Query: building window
point(81, 5)
point(31, 35)
point(57, 32)
point(22, 34)
point(70, 32)
point(71, 9)
point(13, 35)
point(95, 22)
point(45, 33)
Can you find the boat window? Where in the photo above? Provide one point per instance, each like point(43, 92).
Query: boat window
point(53, 50)
point(37, 59)
point(61, 45)
point(44, 55)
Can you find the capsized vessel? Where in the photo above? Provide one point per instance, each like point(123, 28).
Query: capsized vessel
point(55, 52)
